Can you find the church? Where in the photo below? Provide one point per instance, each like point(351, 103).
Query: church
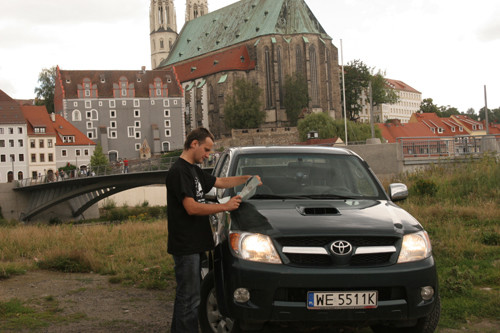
point(260, 41)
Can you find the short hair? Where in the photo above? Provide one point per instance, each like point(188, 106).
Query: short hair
point(200, 134)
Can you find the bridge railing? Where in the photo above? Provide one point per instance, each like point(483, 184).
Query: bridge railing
point(448, 146)
point(134, 166)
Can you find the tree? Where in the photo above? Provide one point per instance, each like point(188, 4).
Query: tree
point(357, 78)
point(319, 122)
point(45, 92)
point(296, 97)
point(243, 108)
point(428, 106)
point(493, 115)
point(329, 128)
point(381, 92)
point(99, 162)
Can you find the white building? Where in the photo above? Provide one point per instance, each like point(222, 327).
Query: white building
point(408, 104)
point(13, 135)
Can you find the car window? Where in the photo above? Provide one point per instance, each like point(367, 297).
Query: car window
point(312, 175)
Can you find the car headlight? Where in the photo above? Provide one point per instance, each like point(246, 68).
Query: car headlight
point(254, 247)
point(415, 247)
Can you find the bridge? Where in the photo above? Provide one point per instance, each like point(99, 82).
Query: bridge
point(84, 189)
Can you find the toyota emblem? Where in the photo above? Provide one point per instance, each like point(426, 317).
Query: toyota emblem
point(341, 247)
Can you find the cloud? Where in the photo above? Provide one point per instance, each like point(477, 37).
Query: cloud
point(490, 32)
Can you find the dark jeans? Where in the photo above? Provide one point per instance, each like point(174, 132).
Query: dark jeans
point(187, 294)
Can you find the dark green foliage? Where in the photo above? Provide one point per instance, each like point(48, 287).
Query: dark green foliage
point(296, 97)
point(490, 237)
point(99, 162)
point(328, 128)
point(424, 187)
point(243, 108)
point(45, 92)
point(458, 282)
point(75, 262)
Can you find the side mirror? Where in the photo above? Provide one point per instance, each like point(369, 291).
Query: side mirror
point(212, 195)
point(398, 191)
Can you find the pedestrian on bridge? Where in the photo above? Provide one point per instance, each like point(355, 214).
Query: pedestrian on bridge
point(189, 231)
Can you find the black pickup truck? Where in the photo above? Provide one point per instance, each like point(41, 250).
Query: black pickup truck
point(319, 242)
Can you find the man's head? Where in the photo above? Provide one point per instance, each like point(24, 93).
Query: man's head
point(199, 144)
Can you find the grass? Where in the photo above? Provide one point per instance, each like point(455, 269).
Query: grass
point(458, 204)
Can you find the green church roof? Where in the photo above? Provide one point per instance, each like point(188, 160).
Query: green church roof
point(243, 21)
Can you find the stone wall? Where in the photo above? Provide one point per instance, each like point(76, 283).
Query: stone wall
point(281, 136)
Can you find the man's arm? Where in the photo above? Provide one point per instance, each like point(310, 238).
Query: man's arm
point(228, 182)
point(195, 208)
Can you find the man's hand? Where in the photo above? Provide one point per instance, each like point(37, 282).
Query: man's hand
point(233, 203)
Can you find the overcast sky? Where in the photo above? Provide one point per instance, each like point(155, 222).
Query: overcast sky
point(446, 49)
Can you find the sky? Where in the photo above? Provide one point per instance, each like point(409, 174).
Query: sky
point(449, 50)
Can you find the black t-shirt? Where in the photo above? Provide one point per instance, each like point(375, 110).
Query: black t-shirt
point(187, 234)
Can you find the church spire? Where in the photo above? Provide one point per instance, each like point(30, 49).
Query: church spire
point(195, 8)
point(163, 30)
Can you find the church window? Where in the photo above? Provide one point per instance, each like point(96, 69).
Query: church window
point(161, 43)
point(269, 88)
point(170, 43)
point(329, 77)
point(280, 77)
point(314, 76)
point(298, 59)
point(195, 11)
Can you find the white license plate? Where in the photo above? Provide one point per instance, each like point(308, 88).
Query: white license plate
point(342, 299)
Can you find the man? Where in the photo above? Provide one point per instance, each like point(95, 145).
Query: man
point(189, 232)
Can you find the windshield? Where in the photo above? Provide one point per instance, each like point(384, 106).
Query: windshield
point(314, 176)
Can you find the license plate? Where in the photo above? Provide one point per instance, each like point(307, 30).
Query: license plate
point(342, 299)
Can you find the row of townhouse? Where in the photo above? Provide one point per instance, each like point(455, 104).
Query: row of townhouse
point(35, 144)
point(429, 134)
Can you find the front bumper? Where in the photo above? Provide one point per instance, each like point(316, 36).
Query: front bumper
point(278, 292)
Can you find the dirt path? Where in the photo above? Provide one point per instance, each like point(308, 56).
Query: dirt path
point(89, 303)
point(94, 304)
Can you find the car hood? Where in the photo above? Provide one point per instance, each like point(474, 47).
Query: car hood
point(321, 217)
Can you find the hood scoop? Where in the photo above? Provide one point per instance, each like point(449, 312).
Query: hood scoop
point(326, 210)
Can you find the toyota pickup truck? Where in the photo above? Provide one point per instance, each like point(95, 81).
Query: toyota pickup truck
point(319, 242)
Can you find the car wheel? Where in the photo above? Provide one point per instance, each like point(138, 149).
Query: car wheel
point(211, 320)
point(424, 325)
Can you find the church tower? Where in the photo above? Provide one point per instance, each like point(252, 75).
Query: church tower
point(163, 30)
point(195, 8)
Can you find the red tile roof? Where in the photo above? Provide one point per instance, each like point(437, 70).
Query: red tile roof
point(64, 127)
point(236, 58)
point(37, 116)
point(435, 123)
point(400, 85)
point(10, 110)
point(392, 131)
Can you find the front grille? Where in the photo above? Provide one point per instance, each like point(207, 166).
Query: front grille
point(300, 294)
point(327, 260)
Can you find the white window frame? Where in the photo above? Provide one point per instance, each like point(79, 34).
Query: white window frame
point(75, 104)
point(124, 103)
point(112, 113)
point(131, 131)
point(112, 134)
point(137, 113)
point(167, 123)
point(88, 104)
point(89, 125)
point(166, 113)
point(166, 103)
point(136, 103)
point(137, 134)
point(112, 124)
point(137, 124)
point(168, 133)
point(112, 103)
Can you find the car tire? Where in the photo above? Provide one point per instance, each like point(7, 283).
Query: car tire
point(424, 325)
point(211, 320)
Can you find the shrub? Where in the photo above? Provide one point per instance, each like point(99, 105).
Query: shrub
point(74, 262)
point(424, 187)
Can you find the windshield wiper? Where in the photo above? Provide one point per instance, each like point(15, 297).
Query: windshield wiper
point(276, 196)
point(331, 196)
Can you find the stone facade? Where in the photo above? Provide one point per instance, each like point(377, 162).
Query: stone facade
point(124, 110)
point(215, 50)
